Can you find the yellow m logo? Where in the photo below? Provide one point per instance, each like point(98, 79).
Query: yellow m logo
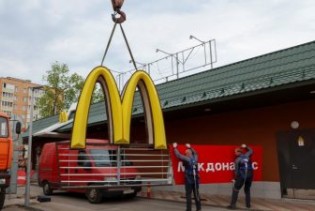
point(63, 117)
point(119, 108)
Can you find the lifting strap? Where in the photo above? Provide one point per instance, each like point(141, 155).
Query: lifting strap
point(117, 4)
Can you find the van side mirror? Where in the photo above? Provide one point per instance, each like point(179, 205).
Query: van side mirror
point(18, 126)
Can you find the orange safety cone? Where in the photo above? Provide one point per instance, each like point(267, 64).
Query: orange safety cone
point(21, 179)
point(149, 190)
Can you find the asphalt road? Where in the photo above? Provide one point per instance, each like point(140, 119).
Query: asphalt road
point(78, 202)
point(62, 201)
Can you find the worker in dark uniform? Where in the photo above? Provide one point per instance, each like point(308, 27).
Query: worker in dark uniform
point(243, 175)
point(191, 175)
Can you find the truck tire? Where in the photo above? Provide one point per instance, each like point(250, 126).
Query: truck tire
point(2, 197)
point(47, 189)
point(94, 195)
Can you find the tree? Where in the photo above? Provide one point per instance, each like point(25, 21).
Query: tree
point(61, 90)
point(98, 95)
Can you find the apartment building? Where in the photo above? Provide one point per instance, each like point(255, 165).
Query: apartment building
point(15, 99)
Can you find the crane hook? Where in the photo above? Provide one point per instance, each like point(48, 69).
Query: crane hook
point(121, 18)
point(117, 4)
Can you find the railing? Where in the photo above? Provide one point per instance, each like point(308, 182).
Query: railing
point(176, 65)
point(113, 166)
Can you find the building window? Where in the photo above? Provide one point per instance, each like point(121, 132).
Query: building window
point(8, 86)
point(7, 104)
point(6, 94)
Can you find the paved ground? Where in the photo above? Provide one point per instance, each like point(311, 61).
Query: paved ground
point(257, 204)
point(15, 202)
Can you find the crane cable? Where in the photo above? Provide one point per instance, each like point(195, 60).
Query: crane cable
point(108, 43)
point(116, 6)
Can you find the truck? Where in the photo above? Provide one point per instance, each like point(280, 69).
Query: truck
point(99, 170)
point(6, 151)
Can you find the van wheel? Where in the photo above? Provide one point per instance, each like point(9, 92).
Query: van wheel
point(94, 195)
point(131, 195)
point(47, 189)
point(2, 197)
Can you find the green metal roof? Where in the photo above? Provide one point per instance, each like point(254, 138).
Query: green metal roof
point(292, 65)
point(97, 114)
point(275, 69)
point(41, 124)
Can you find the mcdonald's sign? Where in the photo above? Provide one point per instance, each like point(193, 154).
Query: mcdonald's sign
point(63, 117)
point(119, 108)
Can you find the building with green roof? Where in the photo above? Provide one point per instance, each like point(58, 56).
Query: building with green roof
point(265, 101)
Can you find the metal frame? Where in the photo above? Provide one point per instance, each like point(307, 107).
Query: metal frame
point(182, 63)
point(154, 171)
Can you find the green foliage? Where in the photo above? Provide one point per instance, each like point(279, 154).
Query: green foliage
point(98, 95)
point(61, 90)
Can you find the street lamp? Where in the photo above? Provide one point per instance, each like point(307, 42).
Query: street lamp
point(193, 37)
point(29, 151)
point(159, 50)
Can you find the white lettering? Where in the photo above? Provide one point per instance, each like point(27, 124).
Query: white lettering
point(210, 167)
point(218, 166)
point(232, 166)
point(200, 167)
point(225, 166)
point(255, 165)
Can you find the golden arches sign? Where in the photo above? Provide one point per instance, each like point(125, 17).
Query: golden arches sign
point(119, 108)
point(63, 117)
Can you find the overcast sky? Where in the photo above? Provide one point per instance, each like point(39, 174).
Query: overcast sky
point(36, 33)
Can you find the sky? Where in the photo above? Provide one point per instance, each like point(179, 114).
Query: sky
point(34, 34)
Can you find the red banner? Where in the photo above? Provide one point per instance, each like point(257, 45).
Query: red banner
point(215, 163)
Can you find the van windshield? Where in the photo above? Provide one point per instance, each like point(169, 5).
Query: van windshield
point(123, 160)
point(103, 157)
point(100, 157)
